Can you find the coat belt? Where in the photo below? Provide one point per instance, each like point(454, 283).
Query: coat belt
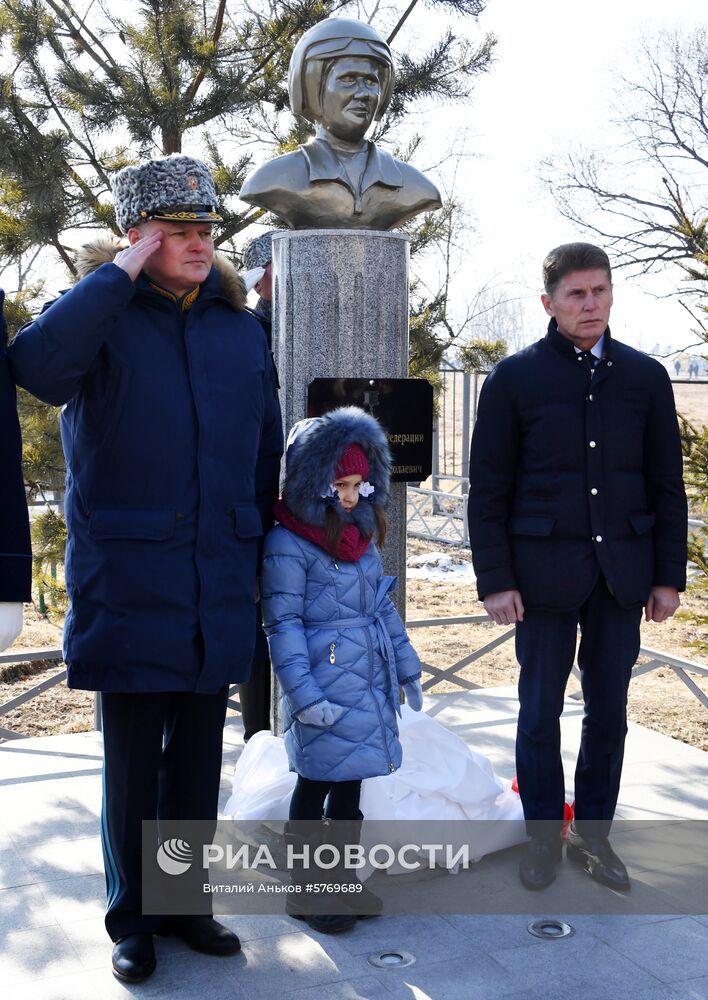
point(384, 641)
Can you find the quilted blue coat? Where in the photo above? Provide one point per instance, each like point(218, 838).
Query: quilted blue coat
point(172, 434)
point(332, 629)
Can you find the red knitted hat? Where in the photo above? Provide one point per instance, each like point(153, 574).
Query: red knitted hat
point(352, 463)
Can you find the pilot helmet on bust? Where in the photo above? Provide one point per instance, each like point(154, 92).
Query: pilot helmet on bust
point(335, 38)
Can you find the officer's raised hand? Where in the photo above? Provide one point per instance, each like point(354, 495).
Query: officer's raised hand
point(132, 259)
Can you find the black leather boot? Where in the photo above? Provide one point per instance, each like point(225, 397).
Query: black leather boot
point(300, 837)
point(360, 900)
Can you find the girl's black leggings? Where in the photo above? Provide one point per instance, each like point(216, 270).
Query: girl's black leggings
point(308, 801)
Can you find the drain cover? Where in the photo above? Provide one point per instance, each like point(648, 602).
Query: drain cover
point(550, 929)
point(391, 959)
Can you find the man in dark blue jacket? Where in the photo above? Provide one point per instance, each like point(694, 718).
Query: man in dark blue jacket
point(577, 515)
point(255, 695)
point(15, 554)
point(172, 434)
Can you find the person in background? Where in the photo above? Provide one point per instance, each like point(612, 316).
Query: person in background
point(15, 551)
point(255, 694)
point(258, 267)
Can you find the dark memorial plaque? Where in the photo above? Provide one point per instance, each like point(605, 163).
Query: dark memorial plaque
point(403, 406)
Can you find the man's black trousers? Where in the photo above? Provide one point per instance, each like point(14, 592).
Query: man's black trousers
point(545, 649)
point(162, 760)
point(254, 695)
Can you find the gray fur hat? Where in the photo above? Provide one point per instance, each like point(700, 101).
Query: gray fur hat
point(175, 189)
point(259, 251)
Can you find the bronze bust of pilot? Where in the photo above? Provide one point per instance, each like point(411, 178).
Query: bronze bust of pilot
point(341, 79)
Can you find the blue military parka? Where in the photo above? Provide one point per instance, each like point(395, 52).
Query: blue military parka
point(172, 434)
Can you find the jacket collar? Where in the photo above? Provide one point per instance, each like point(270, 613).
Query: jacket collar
point(323, 164)
point(222, 281)
point(559, 343)
point(555, 339)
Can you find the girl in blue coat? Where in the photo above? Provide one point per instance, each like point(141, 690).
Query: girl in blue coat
point(337, 643)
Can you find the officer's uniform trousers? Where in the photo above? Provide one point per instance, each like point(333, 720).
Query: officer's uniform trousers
point(162, 760)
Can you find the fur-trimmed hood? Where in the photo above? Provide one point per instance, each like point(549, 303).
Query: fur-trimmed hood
point(103, 249)
point(314, 449)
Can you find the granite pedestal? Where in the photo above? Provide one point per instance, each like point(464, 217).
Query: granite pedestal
point(340, 310)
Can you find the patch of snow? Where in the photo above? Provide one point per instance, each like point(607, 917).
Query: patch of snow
point(439, 566)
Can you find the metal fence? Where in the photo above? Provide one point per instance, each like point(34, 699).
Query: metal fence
point(434, 675)
point(657, 659)
point(437, 509)
point(437, 513)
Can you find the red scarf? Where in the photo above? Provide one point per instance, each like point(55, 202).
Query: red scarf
point(352, 544)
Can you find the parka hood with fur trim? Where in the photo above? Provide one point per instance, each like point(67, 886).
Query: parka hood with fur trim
point(102, 251)
point(315, 447)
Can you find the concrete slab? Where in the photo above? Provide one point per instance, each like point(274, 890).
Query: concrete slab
point(65, 859)
point(67, 823)
point(13, 869)
point(24, 908)
point(53, 943)
point(78, 986)
point(474, 976)
point(437, 935)
point(40, 953)
point(580, 960)
point(366, 988)
point(672, 951)
point(81, 897)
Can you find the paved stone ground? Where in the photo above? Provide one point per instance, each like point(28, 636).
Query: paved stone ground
point(53, 945)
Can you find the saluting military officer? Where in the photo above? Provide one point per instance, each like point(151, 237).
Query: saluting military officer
point(172, 435)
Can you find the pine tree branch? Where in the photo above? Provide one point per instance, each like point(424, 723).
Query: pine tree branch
point(193, 88)
point(275, 48)
point(166, 68)
point(108, 65)
point(402, 20)
point(92, 154)
point(239, 225)
point(44, 86)
point(54, 241)
point(67, 169)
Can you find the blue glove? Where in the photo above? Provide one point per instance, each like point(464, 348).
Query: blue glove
point(414, 694)
point(322, 714)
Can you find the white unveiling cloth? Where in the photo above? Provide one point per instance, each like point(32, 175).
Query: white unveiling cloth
point(10, 623)
point(440, 779)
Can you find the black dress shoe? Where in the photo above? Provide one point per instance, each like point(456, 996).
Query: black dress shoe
point(537, 868)
point(133, 958)
point(203, 934)
point(597, 858)
point(325, 923)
